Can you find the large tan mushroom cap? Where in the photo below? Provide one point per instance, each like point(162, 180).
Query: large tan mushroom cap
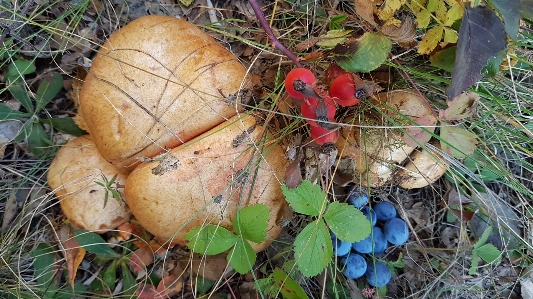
point(73, 175)
point(155, 84)
point(206, 180)
point(425, 166)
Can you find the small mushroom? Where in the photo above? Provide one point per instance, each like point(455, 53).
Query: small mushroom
point(73, 176)
point(207, 180)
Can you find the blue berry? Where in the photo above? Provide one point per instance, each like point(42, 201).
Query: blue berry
point(378, 275)
point(354, 266)
point(384, 211)
point(357, 198)
point(376, 238)
point(367, 211)
point(396, 231)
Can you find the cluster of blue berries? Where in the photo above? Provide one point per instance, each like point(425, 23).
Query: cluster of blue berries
point(391, 229)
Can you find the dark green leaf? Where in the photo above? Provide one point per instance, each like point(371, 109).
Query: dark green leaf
point(48, 89)
point(19, 92)
point(252, 222)
point(313, 250)
point(484, 237)
point(306, 199)
point(128, 282)
point(481, 36)
point(66, 125)
point(43, 264)
point(289, 288)
point(526, 9)
point(335, 23)
point(93, 243)
point(77, 291)
point(444, 59)
point(210, 239)
point(203, 285)
point(493, 64)
point(242, 257)
point(8, 113)
point(110, 275)
point(18, 69)
point(346, 222)
point(510, 11)
point(39, 143)
point(365, 55)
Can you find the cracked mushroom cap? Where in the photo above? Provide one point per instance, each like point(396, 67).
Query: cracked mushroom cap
point(73, 176)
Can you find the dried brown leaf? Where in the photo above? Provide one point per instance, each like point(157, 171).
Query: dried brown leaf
point(365, 9)
point(403, 34)
point(73, 253)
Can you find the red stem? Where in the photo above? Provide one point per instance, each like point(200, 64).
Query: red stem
point(277, 44)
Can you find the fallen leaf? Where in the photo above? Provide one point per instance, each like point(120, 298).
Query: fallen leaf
point(333, 38)
point(363, 55)
point(464, 215)
point(72, 251)
point(444, 59)
point(293, 173)
point(457, 142)
point(125, 230)
point(365, 9)
point(141, 258)
point(460, 107)
point(455, 198)
point(481, 36)
point(430, 40)
point(403, 34)
point(170, 285)
point(147, 291)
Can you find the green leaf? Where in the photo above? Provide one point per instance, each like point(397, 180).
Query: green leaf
point(210, 239)
point(457, 142)
point(489, 253)
point(484, 237)
point(48, 89)
point(128, 282)
point(289, 288)
point(313, 250)
point(40, 145)
point(66, 125)
point(186, 2)
point(368, 54)
point(242, 257)
point(8, 113)
point(43, 264)
point(307, 198)
point(19, 92)
point(110, 275)
point(335, 23)
point(19, 68)
point(93, 243)
point(510, 12)
point(346, 222)
point(203, 285)
point(444, 59)
point(252, 222)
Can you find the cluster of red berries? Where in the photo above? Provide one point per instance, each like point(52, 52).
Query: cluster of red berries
point(318, 106)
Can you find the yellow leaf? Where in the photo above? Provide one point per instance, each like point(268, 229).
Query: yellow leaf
point(441, 12)
point(417, 5)
point(450, 35)
point(392, 22)
point(433, 5)
point(186, 2)
point(430, 40)
point(423, 18)
point(454, 13)
point(391, 6)
point(332, 38)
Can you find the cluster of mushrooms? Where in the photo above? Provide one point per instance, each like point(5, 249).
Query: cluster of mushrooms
point(161, 103)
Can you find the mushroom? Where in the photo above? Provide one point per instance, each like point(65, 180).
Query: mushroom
point(207, 180)
point(374, 149)
point(424, 168)
point(73, 175)
point(155, 84)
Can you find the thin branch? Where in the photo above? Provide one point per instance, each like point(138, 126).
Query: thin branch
point(277, 44)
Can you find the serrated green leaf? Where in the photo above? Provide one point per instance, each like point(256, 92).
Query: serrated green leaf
point(19, 92)
point(93, 243)
point(489, 253)
point(110, 275)
point(484, 237)
point(313, 250)
point(19, 68)
point(371, 52)
point(252, 222)
point(40, 145)
point(307, 198)
point(444, 59)
point(457, 142)
point(346, 222)
point(48, 89)
point(210, 239)
point(242, 257)
point(66, 125)
point(8, 113)
point(289, 288)
point(43, 264)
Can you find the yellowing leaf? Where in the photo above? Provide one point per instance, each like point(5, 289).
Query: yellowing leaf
point(433, 5)
point(460, 107)
point(186, 2)
point(450, 35)
point(441, 12)
point(430, 40)
point(423, 18)
point(457, 142)
point(333, 38)
point(454, 13)
point(391, 6)
point(417, 5)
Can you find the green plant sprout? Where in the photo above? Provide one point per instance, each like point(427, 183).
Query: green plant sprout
point(108, 187)
point(487, 252)
point(250, 224)
point(313, 249)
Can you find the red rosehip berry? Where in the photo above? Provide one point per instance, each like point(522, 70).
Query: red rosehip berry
point(334, 71)
point(319, 112)
point(300, 84)
point(324, 136)
point(347, 89)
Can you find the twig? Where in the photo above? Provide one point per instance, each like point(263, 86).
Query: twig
point(277, 44)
